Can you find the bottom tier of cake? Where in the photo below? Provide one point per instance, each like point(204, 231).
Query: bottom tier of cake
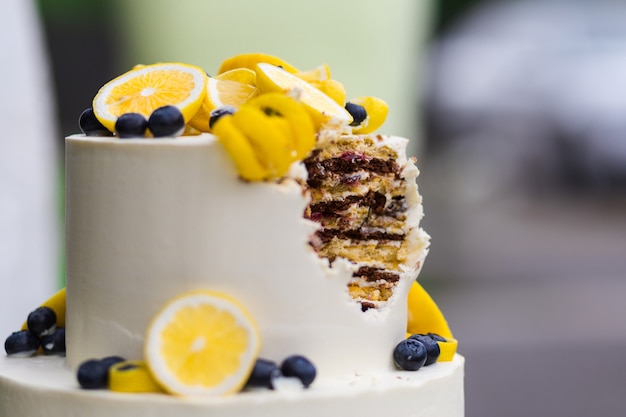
point(45, 387)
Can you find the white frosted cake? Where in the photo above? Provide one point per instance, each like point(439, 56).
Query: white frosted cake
point(321, 250)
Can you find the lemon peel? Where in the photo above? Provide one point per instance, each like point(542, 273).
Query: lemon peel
point(377, 110)
point(239, 149)
point(302, 131)
point(251, 60)
point(272, 147)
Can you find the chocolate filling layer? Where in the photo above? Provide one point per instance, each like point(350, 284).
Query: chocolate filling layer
point(374, 200)
point(318, 170)
point(372, 274)
point(327, 235)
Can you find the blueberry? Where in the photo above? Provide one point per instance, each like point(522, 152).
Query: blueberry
point(300, 367)
point(263, 374)
point(166, 121)
point(90, 125)
point(410, 355)
point(131, 125)
point(432, 348)
point(54, 344)
point(437, 337)
point(93, 374)
point(109, 361)
point(358, 113)
point(21, 344)
point(219, 112)
point(42, 321)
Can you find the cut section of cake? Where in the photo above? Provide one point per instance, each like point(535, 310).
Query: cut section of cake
point(365, 199)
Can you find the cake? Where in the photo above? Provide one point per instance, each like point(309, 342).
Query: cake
point(313, 230)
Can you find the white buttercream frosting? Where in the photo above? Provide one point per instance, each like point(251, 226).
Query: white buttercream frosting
point(45, 387)
point(150, 219)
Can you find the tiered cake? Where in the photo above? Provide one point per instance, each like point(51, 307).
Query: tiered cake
point(322, 257)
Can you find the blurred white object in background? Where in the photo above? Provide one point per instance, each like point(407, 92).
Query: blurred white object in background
point(28, 210)
point(538, 90)
point(527, 113)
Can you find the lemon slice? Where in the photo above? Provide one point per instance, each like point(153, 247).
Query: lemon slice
point(132, 376)
point(447, 350)
point(321, 107)
point(377, 111)
point(220, 93)
point(333, 89)
point(424, 315)
point(251, 60)
point(202, 343)
point(320, 73)
point(57, 304)
point(241, 75)
point(144, 89)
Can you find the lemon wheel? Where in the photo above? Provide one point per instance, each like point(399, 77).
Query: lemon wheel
point(202, 343)
point(146, 88)
point(220, 92)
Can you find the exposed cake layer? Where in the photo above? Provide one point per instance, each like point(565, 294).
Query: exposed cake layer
point(44, 387)
point(150, 219)
point(363, 194)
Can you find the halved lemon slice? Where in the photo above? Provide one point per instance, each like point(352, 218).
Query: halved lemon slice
point(220, 93)
point(322, 108)
point(144, 89)
point(251, 60)
point(202, 343)
point(241, 75)
point(426, 317)
point(333, 89)
point(320, 73)
point(424, 314)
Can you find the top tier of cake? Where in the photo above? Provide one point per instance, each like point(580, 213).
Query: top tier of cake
point(148, 220)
